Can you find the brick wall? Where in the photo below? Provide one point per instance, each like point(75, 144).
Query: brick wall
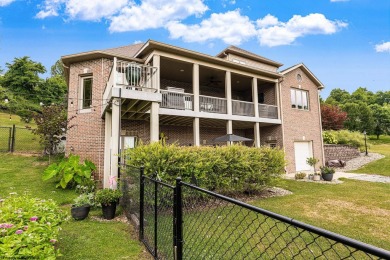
point(300, 125)
point(271, 134)
point(340, 152)
point(86, 137)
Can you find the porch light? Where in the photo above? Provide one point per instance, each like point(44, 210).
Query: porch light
point(181, 70)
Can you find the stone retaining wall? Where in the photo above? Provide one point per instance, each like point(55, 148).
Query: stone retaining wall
point(340, 152)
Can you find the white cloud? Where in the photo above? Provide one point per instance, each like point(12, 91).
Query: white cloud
point(89, 10)
point(272, 32)
point(49, 8)
point(231, 27)
point(5, 2)
point(383, 47)
point(155, 14)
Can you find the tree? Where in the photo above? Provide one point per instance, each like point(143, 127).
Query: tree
point(363, 95)
point(360, 117)
point(338, 96)
point(52, 91)
point(51, 126)
point(22, 76)
point(58, 69)
point(381, 116)
point(332, 117)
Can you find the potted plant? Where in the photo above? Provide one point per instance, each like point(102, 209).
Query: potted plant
point(312, 161)
point(81, 206)
point(108, 199)
point(327, 173)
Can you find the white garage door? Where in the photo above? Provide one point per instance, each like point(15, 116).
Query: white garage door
point(302, 150)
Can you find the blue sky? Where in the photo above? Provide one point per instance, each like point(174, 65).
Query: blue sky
point(345, 43)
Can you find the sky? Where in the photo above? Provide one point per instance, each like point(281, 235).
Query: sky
point(345, 43)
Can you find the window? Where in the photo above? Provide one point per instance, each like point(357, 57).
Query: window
point(272, 145)
point(86, 92)
point(260, 98)
point(299, 99)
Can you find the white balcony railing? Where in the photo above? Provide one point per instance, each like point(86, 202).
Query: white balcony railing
point(177, 100)
point(268, 111)
point(134, 76)
point(243, 108)
point(212, 104)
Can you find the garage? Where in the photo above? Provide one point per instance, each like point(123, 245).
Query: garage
point(302, 150)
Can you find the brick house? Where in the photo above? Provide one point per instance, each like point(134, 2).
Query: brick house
point(145, 91)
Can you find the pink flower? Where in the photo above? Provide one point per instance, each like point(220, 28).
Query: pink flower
point(19, 231)
point(53, 241)
point(6, 225)
point(35, 218)
point(25, 228)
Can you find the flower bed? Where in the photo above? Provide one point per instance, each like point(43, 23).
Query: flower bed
point(29, 227)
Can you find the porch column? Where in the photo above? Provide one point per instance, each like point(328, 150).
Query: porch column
point(195, 86)
point(107, 150)
point(257, 134)
point(277, 90)
point(255, 96)
point(228, 92)
point(154, 108)
point(196, 131)
point(115, 132)
point(229, 129)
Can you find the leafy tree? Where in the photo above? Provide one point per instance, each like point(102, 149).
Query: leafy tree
point(338, 96)
point(22, 76)
point(58, 69)
point(51, 126)
point(363, 95)
point(53, 90)
point(360, 117)
point(381, 116)
point(332, 117)
point(382, 97)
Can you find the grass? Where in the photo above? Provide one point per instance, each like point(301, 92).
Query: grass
point(87, 239)
point(382, 166)
point(25, 140)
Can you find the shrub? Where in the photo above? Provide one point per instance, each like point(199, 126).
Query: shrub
point(29, 228)
point(71, 172)
point(84, 199)
point(347, 137)
point(300, 175)
point(224, 168)
point(107, 196)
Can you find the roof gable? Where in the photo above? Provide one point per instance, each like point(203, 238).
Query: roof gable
point(306, 71)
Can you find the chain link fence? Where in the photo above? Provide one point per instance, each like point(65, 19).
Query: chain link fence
point(188, 222)
point(19, 140)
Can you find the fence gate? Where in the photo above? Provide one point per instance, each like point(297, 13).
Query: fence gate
point(5, 138)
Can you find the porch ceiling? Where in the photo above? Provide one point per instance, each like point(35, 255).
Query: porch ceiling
point(135, 109)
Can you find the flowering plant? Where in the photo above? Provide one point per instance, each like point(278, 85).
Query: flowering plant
point(107, 196)
point(29, 228)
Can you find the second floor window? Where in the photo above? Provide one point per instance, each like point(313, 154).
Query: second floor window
point(299, 99)
point(86, 92)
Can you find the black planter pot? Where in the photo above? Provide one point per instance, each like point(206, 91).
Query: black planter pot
point(109, 210)
point(80, 213)
point(327, 177)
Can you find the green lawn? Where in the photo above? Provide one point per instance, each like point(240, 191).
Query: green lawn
point(382, 166)
point(87, 239)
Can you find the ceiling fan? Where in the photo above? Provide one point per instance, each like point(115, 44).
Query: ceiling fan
point(212, 82)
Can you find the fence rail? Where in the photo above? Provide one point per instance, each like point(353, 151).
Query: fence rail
point(187, 222)
point(177, 100)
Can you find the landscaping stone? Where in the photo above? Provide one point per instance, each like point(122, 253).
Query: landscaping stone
point(358, 162)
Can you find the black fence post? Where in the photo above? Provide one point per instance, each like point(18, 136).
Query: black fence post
point(155, 218)
point(179, 220)
point(13, 139)
point(9, 139)
point(141, 203)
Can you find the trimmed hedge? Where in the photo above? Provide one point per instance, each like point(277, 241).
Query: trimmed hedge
point(222, 168)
